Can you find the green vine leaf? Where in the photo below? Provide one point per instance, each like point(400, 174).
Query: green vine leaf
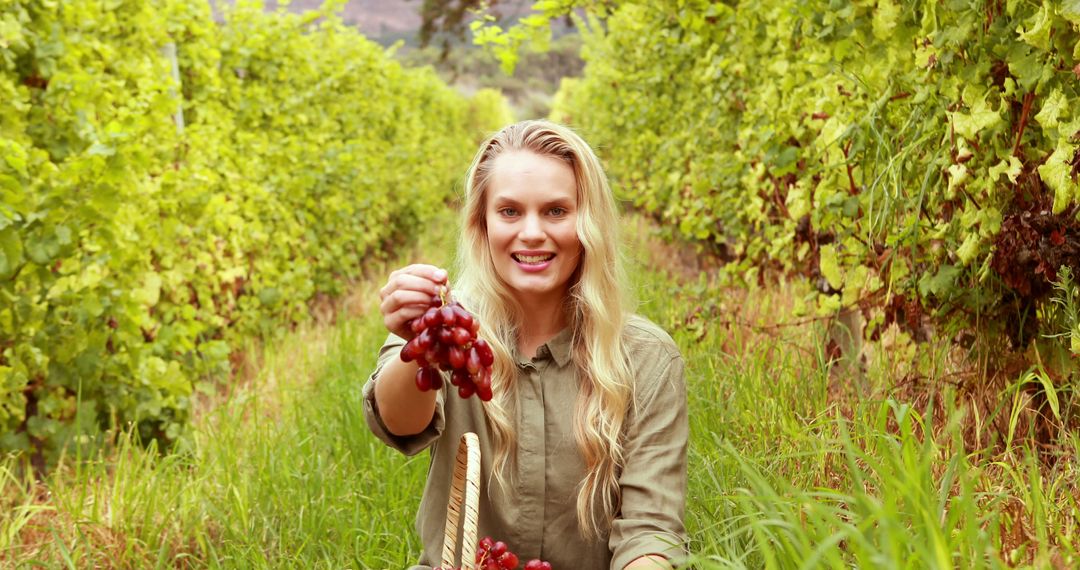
point(940, 282)
point(969, 249)
point(830, 267)
point(1011, 168)
point(1053, 108)
point(11, 252)
point(1070, 10)
point(886, 17)
point(1038, 29)
point(1055, 173)
point(982, 116)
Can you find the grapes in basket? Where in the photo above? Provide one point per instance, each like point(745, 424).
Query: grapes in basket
point(494, 555)
point(446, 339)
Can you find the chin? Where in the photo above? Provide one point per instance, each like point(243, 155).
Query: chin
point(530, 287)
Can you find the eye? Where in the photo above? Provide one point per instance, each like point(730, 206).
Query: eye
point(557, 211)
point(508, 211)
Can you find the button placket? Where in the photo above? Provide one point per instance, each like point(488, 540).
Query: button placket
point(531, 459)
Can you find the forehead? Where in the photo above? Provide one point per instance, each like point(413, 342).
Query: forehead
point(524, 176)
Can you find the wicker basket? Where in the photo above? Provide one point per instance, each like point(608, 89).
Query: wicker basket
point(464, 498)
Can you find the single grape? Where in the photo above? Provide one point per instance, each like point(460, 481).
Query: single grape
point(431, 378)
point(432, 318)
point(457, 357)
point(465, 320)
point(483, 380)
point(461, 336)
point(449, 319)
point(435, 378)
point(508, 561)
point(422, 381)
point(484, 351)
point(411, 351)
point(484, 393)
point(466, 389)
point(424, 340)
point(472, 362)
point(459, 377)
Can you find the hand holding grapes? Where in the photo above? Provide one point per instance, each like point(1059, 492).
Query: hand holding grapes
point(416, 306)
point(408, 294)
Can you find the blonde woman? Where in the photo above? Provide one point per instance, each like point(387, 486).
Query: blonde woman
point(584, 442)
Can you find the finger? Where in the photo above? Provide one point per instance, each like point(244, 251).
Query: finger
point(405, 298)
point(410, 282)
point(435, 274)
point(418, 276)
point(397, 321)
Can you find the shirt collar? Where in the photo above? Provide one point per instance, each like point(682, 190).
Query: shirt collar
point(559, 347)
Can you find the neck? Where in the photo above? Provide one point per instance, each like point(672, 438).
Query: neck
point(544, 318)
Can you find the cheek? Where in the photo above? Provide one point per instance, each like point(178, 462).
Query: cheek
point(570, 238)
point(497, 238)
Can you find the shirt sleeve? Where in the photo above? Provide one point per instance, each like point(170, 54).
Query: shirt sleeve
point(412, 444)
point(654, 480)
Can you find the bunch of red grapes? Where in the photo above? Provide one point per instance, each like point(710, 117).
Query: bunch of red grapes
point(446, 339)
point(493, 555)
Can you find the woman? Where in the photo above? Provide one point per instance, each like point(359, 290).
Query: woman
point(584, 442)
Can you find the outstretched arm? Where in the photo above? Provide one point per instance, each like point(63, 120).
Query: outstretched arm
point(404, 409)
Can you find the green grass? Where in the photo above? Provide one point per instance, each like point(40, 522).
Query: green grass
point(283, 474)
point(787, 471)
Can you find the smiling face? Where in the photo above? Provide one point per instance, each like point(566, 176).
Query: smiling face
point(531, 217)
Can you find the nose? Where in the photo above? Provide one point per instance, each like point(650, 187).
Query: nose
point(532, 230)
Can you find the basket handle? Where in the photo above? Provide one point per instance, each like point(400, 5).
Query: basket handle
point(464, 497)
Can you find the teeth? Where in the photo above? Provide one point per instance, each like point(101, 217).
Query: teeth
point(533, 258)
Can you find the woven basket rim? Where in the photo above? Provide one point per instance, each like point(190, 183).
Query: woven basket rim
point(464, 500)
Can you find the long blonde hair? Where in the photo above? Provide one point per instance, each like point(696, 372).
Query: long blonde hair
point(597, 312)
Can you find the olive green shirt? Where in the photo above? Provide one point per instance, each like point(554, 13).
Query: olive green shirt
point(537, 518)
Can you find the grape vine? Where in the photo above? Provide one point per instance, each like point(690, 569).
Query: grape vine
point(148, 224)
point(900, 154)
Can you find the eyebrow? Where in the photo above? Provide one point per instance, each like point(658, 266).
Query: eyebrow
point(504, 201)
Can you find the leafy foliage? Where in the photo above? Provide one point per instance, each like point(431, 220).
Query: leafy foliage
point(900, 153)
point(136, 250)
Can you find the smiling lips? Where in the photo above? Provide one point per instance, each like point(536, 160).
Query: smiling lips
point(533, 261)
point(532, 257)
